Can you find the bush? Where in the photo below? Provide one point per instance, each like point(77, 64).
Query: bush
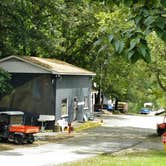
point(5, 87)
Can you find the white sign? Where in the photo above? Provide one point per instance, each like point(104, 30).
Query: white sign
point(81, 103)
point(46, 118)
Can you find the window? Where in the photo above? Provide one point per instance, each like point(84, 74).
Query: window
point(64, 107)
point(85, 102)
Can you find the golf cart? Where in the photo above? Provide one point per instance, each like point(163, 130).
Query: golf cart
point(13, 130)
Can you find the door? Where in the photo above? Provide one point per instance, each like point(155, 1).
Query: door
point(75, 108)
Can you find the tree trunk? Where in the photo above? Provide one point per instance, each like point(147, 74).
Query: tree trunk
point(116, 103)
point(160, 82)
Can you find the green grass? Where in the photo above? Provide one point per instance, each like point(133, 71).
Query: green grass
point(149, 158)
point(87, 125)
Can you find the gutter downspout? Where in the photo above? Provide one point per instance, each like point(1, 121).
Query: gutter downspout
point(53, 81)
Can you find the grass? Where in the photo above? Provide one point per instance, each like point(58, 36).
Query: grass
point(87, 125)
point(148, 158)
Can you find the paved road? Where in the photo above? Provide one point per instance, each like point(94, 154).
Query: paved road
point(117, 133)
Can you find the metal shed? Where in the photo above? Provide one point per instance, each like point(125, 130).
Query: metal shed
point(43, 86)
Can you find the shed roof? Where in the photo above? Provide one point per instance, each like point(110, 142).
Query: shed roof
point(49, 65)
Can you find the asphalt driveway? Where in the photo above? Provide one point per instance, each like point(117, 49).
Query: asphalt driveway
point(118, 132)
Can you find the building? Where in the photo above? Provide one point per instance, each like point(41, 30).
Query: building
point(48, 87)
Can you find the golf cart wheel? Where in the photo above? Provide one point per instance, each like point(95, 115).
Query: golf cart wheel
point(30, 139)
point(18, 139)
point(3, 139)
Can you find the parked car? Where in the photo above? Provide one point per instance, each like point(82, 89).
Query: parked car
point(147, 108)
point(145, 111)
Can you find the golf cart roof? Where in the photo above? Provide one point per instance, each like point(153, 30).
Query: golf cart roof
point(12, 113)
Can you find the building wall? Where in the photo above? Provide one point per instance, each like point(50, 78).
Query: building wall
point(71, 87)
point(39, 95)
point(31, 93)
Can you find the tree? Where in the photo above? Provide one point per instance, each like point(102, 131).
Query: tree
point(104, 36)
point(157, 66)
point(145, 17)
point(79, 31)
point(158, 59)
point(4, 85)
point(30, 27)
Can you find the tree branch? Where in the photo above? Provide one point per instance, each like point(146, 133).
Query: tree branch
point(159, 81)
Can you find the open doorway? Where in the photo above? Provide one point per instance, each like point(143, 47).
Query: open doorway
point(75, 108)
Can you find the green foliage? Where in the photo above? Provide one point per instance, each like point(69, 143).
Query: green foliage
point(135, 158)
point(145, 17)
point(157, 67)
point(28, 27)
point(105, 36)
point(137, 49)
point(4, 85)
